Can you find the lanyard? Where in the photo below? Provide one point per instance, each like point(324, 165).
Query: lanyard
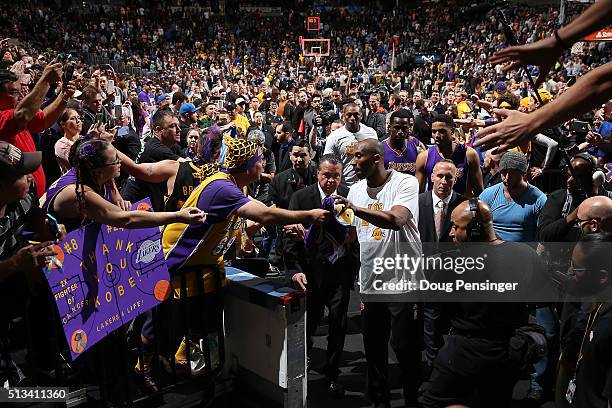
point(590, 323)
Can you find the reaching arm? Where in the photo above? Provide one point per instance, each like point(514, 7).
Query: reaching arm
point(55, 108)
point(545, 52)
point(149, 172)
point(518, 128)
point(259, 212)
point(103, 212)
point(30, 104)
point(394, 218)
point(474, 172)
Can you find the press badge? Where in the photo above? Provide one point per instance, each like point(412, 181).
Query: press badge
point(571, 390)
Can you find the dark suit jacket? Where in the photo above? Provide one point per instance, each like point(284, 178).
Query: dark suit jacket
point(283, 162)
point(427, 226)
point(285, 183)
point(312, 264)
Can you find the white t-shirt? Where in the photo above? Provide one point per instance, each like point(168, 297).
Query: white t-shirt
point(342, 143)
point(374, 242)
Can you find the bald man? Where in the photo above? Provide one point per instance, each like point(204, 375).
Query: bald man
point(436, 206)
point(385, 204)
point(595, 215)
point(475, 359)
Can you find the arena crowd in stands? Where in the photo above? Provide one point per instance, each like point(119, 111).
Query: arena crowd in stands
point(195, 99)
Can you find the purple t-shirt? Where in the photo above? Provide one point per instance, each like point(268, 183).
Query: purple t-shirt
point(220, 200)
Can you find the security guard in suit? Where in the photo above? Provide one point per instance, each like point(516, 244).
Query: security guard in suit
point(325, 269)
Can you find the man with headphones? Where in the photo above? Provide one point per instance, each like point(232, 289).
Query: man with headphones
point(474, 368)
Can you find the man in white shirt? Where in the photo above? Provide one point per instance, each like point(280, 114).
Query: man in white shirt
point(341, 142)
point(385, 204)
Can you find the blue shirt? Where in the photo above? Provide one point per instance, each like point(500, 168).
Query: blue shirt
point(605, 130)
point(515, 220)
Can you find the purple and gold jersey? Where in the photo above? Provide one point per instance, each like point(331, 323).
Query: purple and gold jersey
point(404, 161)
point(198, 247)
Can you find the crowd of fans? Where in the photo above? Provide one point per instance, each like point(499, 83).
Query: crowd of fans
point(226, 95)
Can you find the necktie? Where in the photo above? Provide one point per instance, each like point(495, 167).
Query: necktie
point(439, 218)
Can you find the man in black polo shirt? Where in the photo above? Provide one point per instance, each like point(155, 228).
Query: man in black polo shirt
point(166, 134)
point(21, 261)
point(474, 367)
point(592, 383)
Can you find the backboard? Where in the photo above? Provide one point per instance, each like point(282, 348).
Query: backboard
point(315, 47)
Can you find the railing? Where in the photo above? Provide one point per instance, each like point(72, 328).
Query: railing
point(119, 67)
point(262, 336)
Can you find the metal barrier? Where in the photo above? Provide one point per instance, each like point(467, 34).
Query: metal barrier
point(265, 325)
point(119, 67)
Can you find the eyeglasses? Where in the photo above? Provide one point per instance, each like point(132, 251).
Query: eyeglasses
point(117, 161)
point(572, 269)
point(587, 221)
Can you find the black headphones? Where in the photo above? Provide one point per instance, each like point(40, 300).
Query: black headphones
point(474, 227)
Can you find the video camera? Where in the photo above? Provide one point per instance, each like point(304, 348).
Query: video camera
point(327, 115)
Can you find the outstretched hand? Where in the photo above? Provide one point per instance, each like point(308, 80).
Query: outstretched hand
point(192, 215)
point(514, 130)
point(543, 53)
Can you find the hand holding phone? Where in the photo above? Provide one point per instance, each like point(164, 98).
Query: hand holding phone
point(110, 87)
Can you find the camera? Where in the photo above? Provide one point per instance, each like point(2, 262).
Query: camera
point(327, 115)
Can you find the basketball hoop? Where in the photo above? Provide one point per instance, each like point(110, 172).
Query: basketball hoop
point(315, 48)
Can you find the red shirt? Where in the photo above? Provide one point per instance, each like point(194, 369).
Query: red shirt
point(23, 139)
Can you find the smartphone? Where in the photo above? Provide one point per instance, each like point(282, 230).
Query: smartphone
point(118, 111)
point(579, 126)
point(571, 81)
point(110, 87)
point(68, 73)
point(220, 104)
point(99, 119)
point(53, 224)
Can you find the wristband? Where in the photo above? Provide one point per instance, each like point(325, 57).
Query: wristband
point(562, 43)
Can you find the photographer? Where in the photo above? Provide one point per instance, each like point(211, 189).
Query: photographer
point(93, 111)
point(559, 217)
point(317, 121)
